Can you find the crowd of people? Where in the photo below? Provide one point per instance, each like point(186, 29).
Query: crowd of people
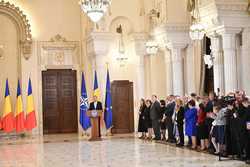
point(214, 124)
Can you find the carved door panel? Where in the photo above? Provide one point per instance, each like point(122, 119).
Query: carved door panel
point(123, 114)
point(68, 101)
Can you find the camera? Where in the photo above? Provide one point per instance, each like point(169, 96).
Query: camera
point(229, 99)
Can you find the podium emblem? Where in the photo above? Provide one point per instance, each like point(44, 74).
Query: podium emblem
point(94, 113)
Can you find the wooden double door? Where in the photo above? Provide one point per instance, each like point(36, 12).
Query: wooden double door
point(59, 101)
point(123, 106)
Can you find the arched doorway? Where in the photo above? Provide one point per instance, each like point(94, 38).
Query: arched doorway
point(15, 44)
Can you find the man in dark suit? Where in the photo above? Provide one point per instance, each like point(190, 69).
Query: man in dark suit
point(96, 105)
point(246, 122)
point(170, 124)
point(155, 111)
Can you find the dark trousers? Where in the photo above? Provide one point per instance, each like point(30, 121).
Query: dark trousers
point(236, 147)
point(170, 128)
point(248, 146)
point(189, 141)
point(181, 133)
point(99, 120)
point(228, 140)
point(208, 123)
point(156, 127)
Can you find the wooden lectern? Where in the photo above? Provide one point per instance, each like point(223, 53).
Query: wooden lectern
point(95, 127)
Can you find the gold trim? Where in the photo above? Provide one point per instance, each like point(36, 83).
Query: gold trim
point(58, 38)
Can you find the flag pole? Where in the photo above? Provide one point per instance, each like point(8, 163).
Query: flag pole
point(83, 96)
point(84, 133)
point(108, 131)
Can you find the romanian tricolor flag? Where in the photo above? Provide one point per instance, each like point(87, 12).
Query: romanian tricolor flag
point(8, 117)
point(30, 122)
point(19, 111)
point(97, 92)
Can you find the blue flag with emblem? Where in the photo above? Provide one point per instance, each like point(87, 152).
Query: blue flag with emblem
point(108, 104)
point(84, 105)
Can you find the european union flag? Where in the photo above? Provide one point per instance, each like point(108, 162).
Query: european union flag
point(108, 104)
point(84, 105)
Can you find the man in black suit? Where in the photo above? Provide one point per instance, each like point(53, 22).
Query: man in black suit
point(170, 124)
point(155, 111)
point(96, 105)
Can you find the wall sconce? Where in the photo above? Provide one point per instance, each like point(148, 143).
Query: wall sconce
point(1, 52)
point(154, 13)
point(152, 47)
point(121, 58)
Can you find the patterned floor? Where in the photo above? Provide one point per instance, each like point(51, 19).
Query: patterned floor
point(120, 151)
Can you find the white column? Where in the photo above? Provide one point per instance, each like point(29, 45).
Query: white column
point(169, 73)
point(139, 40)
point(140, 78)
point(98, 47)
point(245, 66)
point(177, 64)
point(101, 69)
point(175, 38)
point(230, 68)
point(190, 67)
point(218, 63)
point(140, 51)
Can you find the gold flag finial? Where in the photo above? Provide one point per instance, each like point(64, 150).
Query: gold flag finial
point(82, 67)
point(107, 64)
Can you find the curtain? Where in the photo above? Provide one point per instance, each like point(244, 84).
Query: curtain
point(199, 67)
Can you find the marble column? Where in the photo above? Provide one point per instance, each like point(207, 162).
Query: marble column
point(98, 47)
point(190, 67)
point(169, 73)
point(230, 67)
point(101, 68)
point(218, 63)
point(140, 77)
point(245, 66)
point(177, 68)
point(175, 37)
point(140, 51)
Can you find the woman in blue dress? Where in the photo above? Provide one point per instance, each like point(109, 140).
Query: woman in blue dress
point(190, 122)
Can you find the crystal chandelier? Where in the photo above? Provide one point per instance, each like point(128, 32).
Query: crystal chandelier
point(95, 9)
point(152, 47)
point(197, 30)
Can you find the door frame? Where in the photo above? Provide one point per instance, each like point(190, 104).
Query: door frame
point(46, 51)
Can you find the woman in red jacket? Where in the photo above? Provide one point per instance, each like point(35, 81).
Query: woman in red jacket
point(202, 130)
